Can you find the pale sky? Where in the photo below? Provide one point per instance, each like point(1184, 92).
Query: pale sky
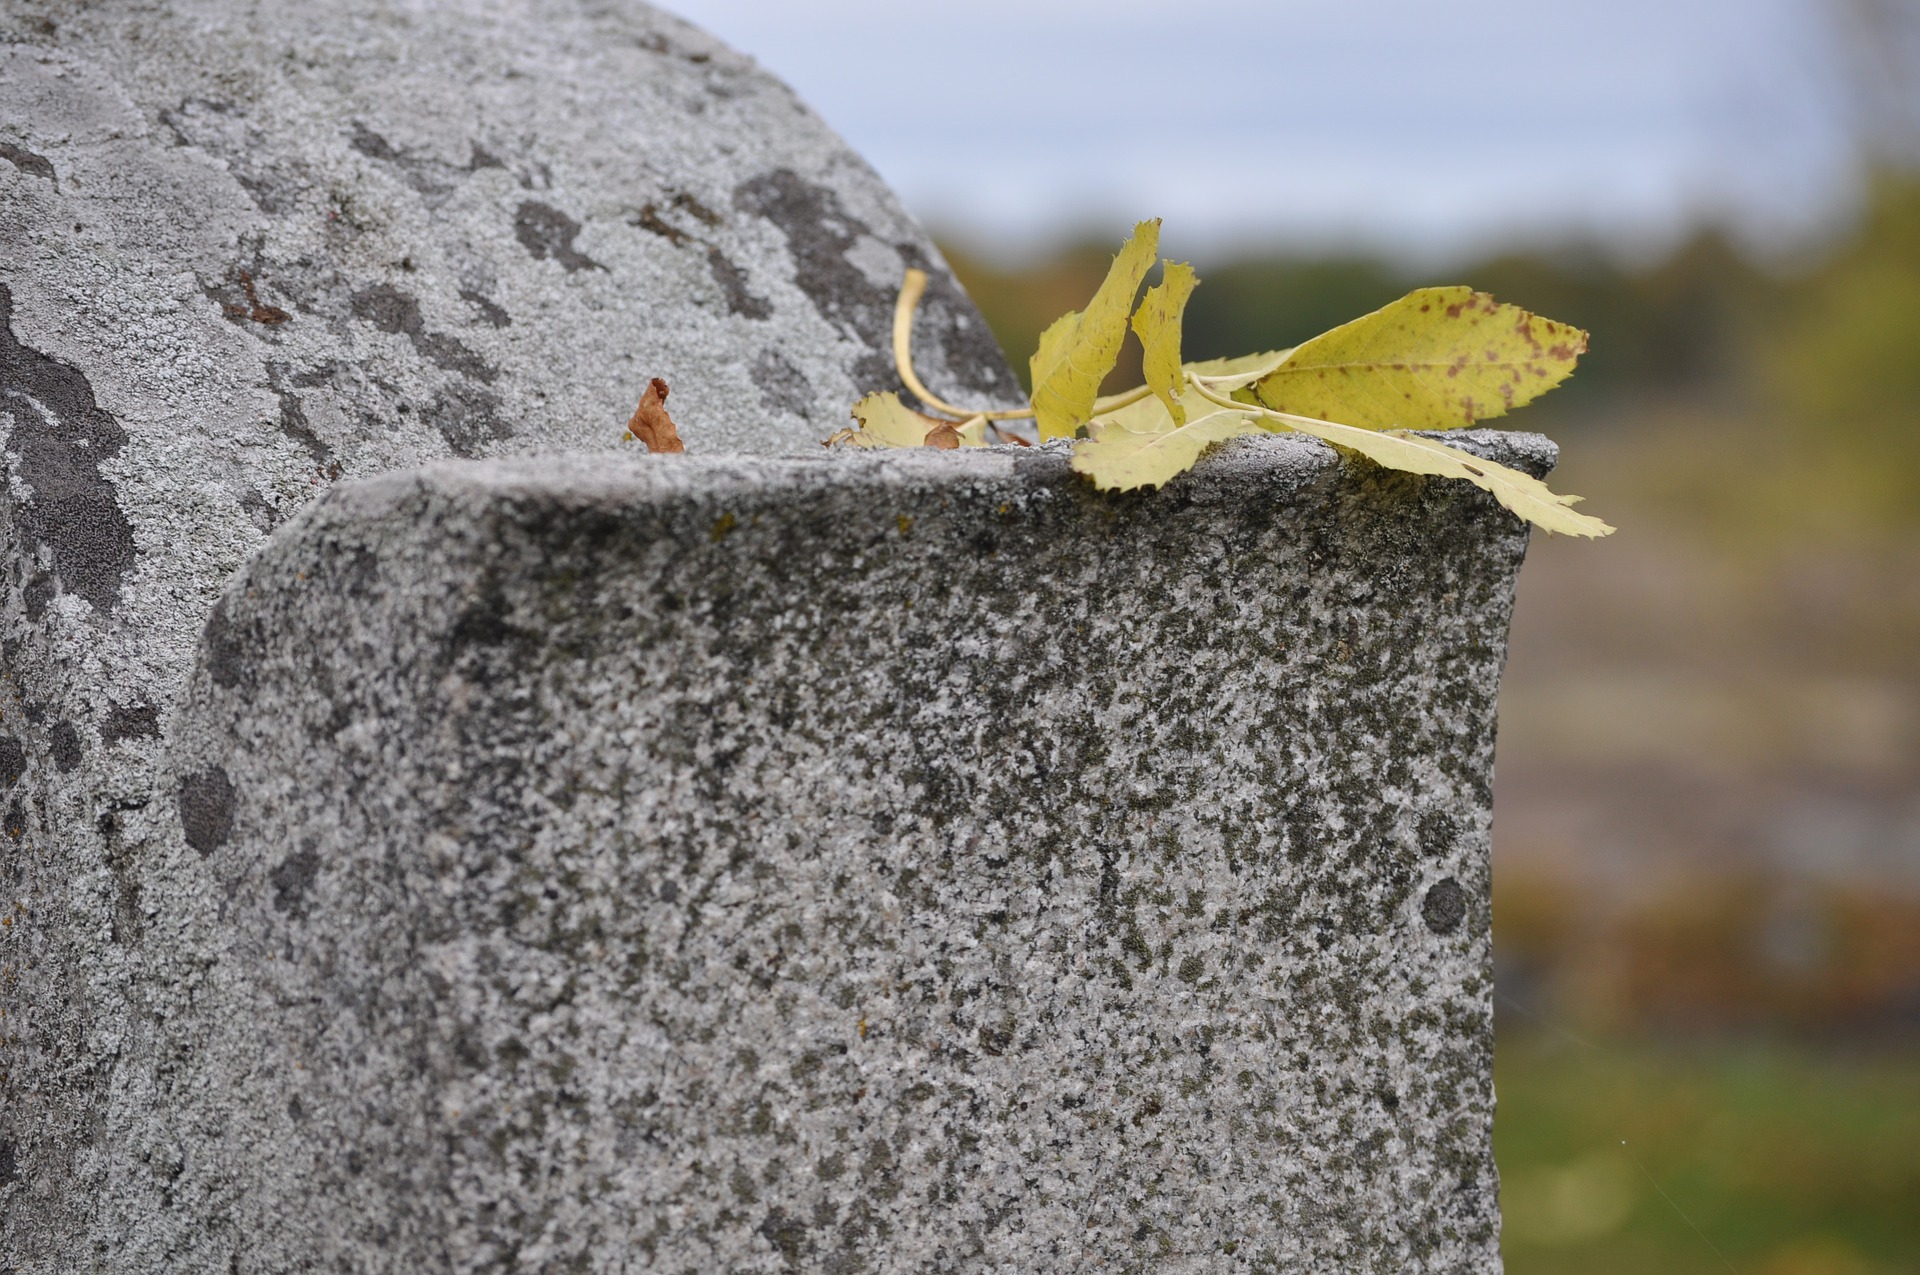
point(1412, 125)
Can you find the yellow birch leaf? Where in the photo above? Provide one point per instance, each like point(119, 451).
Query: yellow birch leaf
point(1524, 494)
point(887, 422)
point(1145, 415)
point(1438, 358)
point(1119, 459)
point(1149, 415)
point(1080, 348)
point(1157, 323)
point(1226, 375)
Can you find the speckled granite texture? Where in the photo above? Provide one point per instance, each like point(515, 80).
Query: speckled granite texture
point(900, 863)
point(248, 249)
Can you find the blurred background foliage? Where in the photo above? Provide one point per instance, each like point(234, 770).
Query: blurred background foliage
point(1707, 845)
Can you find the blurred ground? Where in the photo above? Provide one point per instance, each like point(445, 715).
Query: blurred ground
point(1707, 833)
point(1760, 1157)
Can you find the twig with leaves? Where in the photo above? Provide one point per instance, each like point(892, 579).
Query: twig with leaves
point(1437, 359)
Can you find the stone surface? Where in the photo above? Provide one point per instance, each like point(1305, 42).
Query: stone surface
point(249, 249)
point(854, 863)
point(886, 863)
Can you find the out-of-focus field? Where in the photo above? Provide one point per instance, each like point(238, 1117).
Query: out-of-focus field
point(1707, 829)
point(1788, 1159)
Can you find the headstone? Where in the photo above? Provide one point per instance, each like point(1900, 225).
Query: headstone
point(249, 250)
point(908, 862)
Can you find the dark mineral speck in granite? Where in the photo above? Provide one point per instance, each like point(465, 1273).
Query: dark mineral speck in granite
point(1445, 906)
point(548, 234)
point(63, 741)
point(131, 721)
point(820, 233)
point(733, 285)
point(28, 162)
point(13, 761)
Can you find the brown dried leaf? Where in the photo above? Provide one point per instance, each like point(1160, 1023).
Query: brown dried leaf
point(651, 424)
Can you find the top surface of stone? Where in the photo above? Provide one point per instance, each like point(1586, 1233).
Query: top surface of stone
point(1257, 470)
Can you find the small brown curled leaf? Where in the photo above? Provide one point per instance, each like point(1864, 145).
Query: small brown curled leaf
point(945, 436)
point(651, 424)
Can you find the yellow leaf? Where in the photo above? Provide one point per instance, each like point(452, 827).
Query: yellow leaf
point(1157, 323)
point(1522, 493)
point(1147, 414)
point(887, 422)
point(1226, 375)
point(1439, 358)
point(1077, 352)
point(1118, 459)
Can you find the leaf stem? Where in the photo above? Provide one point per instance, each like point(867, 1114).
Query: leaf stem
point(1101, 406)
point(1198, 379)
point(1113, 401)
point(1251, 409)
point(1285, 419)
point(912, 288)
